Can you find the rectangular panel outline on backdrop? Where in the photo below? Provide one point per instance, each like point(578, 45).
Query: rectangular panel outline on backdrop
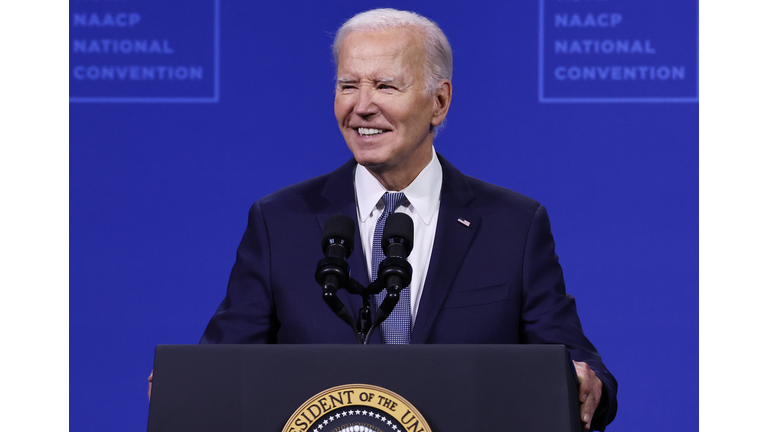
point(543, 99)
point(143, 99)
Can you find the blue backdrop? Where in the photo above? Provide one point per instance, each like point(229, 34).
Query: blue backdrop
point(183, 114)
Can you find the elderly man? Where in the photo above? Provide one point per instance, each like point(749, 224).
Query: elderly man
point(484, 266)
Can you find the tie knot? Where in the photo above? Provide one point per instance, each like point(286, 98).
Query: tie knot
point(392, 201)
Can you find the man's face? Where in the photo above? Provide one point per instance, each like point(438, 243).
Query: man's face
point(382, 104)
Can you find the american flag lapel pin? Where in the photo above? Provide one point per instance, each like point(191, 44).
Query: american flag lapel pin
point(464, 222)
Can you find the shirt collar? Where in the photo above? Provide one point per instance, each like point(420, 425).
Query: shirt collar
point(423, 193)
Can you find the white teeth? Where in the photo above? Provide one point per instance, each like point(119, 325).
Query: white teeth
point(369, 131)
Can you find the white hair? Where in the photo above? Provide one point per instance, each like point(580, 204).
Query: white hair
point(439, 65)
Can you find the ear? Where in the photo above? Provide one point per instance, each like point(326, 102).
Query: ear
point(441, 102)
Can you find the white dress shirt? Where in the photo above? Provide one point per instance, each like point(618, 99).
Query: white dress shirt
point(422, 204)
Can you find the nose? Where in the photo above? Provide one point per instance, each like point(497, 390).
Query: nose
point(365, 106)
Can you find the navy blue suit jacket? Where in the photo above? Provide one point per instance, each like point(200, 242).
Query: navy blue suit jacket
point(496, 281)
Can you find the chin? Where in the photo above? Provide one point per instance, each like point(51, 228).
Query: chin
point(368, 161)
point(369, 157)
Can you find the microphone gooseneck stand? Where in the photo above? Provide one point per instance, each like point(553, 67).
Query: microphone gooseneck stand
point(394, 271)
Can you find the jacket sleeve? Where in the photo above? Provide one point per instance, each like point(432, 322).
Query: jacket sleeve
point(549, 312)
point(247, 313)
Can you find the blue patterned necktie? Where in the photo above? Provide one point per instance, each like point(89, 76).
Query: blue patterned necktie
point(396, 329)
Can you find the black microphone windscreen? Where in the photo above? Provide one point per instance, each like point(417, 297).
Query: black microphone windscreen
point(398, 225)
point(340, 229)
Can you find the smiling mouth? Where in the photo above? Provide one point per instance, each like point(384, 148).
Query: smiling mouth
point(369, 131)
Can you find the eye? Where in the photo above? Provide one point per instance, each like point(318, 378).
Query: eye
point(385, 87)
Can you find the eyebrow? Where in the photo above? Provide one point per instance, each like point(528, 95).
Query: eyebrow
point(385, 80)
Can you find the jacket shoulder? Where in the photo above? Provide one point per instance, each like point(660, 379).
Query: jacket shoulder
point(314, 193)
point(487, 197)
point(491, 199)
point(296, 191)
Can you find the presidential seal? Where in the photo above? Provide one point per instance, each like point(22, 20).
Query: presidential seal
point(356, 408)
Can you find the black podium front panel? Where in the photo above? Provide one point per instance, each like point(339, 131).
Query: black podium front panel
point(457, 388)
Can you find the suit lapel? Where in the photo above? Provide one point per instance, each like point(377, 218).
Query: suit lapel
point(452, 240)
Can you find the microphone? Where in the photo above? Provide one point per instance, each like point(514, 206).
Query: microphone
point(339, 236)
point(394, 271)
point(333, 271)
point(397, 238)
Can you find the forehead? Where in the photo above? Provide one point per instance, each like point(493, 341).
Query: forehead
point(364, 52)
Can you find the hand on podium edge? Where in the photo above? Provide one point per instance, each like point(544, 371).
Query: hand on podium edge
point(149, 392)
point(590, 390)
